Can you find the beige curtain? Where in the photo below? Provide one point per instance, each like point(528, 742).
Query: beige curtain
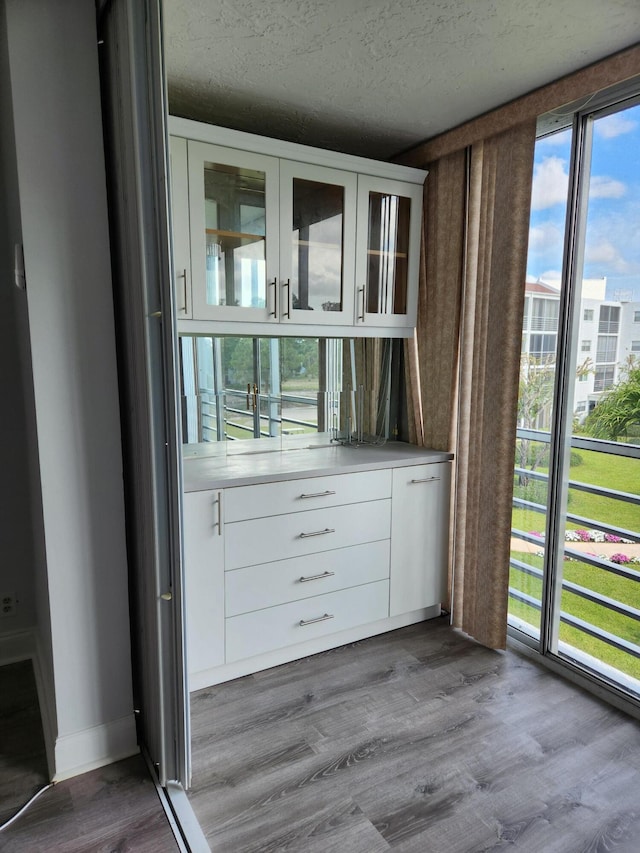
point(463, 366)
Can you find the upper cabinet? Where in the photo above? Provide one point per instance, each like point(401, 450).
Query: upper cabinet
point(317, 244)
point(388, 245)
point(233, 223)
point(180, 227)
point(306, 243)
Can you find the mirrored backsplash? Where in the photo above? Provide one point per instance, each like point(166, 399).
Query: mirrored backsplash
point(284, 393)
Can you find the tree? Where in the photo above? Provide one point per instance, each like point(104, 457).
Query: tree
point(535, 397)
point(618, 411)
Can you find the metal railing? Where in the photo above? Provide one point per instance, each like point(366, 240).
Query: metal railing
point(601, 563)
point(275, 423)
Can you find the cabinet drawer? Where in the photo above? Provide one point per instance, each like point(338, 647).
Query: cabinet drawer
point(269, 584)
point(264, 630)
point(262, 540)
point(244, 502)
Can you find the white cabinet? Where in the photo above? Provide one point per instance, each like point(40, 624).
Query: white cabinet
point(275, 565)
point(293, 237)
point(180, 228)
point(317, 244)
point(204, 579)
point(419, 536)
point(233, 224)
point(389, 219)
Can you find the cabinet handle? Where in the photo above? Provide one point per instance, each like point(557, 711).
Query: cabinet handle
point(318, 494)
point(302, 579)
point(274, 284)
point(287, 284)
point(318, 532)
point(324, 618)
point(426, 480)
point(219, 506)
point(183, 276)
point(362, 290)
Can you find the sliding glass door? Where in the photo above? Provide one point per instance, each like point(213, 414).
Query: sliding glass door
point(575, 560)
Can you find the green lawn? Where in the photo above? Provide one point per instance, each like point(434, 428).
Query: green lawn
point(621, 474)
point(612, 472)
point(595, 579)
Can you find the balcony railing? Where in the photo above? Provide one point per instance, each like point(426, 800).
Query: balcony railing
point(598, 568)
point(235, 414)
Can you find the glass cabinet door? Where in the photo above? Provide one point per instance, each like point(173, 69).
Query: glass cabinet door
point(389, 216)
point(317, 244)
point(233, 204)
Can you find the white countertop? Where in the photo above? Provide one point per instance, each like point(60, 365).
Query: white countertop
point(242, 469)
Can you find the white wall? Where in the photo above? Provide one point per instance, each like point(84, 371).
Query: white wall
point(55, 87)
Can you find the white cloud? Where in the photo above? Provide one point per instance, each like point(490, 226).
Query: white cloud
point(545, 237)
point(604, 252)
point(551, 276)
point(603, 187)
point(550, 183)
point(614, 125)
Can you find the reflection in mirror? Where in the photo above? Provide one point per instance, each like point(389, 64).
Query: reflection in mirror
point(288, 392)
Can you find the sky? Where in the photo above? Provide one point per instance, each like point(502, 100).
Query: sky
point(612, 245)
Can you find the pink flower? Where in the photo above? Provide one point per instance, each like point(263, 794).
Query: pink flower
point(619, 558)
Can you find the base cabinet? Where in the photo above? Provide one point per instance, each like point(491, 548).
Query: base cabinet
point(204, 579)
point(268, 569)
point(419, 536)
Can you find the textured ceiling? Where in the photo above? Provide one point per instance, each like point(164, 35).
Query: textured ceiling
point(375, 77)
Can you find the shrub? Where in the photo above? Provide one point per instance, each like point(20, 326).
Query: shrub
point(619, 558)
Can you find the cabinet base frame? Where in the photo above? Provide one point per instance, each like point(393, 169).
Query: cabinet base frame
point(219, 674)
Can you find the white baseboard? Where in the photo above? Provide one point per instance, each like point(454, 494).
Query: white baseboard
point(85, 750)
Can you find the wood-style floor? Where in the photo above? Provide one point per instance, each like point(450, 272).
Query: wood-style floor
point(23, 762)
point(114, 808)
point(417, 740)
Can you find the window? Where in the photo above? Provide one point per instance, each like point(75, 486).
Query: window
point(542, 346)
point(609, 319)
point(607, 345)
point(604, 378)
point(561, 597)
point(544, 315)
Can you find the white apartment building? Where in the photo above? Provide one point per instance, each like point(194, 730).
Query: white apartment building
point(609, 332)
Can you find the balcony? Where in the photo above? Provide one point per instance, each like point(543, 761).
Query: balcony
point(599, 611)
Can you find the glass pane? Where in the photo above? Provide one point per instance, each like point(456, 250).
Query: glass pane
point(235, 236)
point(537, 376)
point(318, 211)
point(387, 261)
point(597, 588)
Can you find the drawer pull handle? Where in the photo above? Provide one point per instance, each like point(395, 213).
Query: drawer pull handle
point(318, 532)
point(426, 480)
point(302, 579)
point(324, 618)
point(319, 494)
